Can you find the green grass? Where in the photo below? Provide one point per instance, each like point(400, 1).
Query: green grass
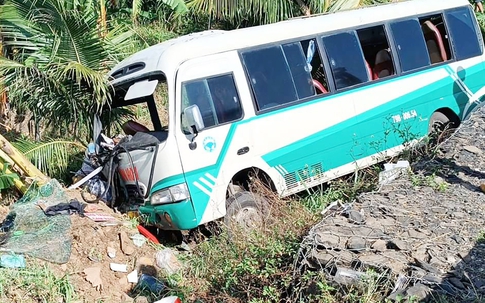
point(35, 283)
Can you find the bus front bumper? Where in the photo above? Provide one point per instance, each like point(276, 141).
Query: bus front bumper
point(174, 216)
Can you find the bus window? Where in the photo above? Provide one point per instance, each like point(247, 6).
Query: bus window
point(299, 70)
point(216, 98)
point(436, 38)
point(410, 44)
point(463, 33)
point(314, 65)
point(346, 60)
point(270, 77)
point(375, 47)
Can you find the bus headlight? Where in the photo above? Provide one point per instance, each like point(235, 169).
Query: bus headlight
point(174, 193)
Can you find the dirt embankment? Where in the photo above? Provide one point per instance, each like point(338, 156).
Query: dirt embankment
point(423, 231)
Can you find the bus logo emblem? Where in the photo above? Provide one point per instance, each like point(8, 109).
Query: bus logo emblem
point(209, 144)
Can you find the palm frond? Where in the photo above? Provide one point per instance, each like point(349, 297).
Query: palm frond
point(51, 156)
point(178, 6)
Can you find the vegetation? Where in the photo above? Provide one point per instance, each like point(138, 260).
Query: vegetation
point(36, 283)
point(54, 55)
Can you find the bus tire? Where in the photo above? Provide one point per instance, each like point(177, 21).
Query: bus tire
point(440, 127)
point(246, 211)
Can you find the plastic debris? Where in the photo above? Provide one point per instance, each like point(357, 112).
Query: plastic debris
point(150, 283)
point(133, 276)
point(139, 240)
point(171, 299)
point(12, 261)
point(118, 267)
point(167, 260)
point(392, 171)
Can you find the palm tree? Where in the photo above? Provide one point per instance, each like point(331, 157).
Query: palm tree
point(266, 11)
point(56, 62)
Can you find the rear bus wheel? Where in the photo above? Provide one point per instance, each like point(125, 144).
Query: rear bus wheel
point(440, 127)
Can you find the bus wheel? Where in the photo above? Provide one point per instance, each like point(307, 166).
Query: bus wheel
point(440, 127)
point(246, 211)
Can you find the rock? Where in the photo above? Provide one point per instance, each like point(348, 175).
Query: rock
point(379, 245)
point(356, 217)
point(111, 252)
point(125, 244)
point(472, 149)
point(478, 283)
point(356, 244)
point(398, 244)
point(416, 234)
point(327, 240)
point(430, 278)
point(141, 299)
point(322, 258)
point(373, 259)
point(465, 256)
point(456, 282)
point(418, 292)
point(421, 254)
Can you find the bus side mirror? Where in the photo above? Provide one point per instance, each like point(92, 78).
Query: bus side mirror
point(194, 120)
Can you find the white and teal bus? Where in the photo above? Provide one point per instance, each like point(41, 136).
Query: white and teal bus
point(298, 102)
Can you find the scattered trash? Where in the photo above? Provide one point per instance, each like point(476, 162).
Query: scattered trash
point(93, 276)
point(348, 277)
point(392, 171)
point(97, 217)
point(331, 207)
point(171, 299)
point(167, 260)
point(139, 240)
point(111, 252)
point(133, 276)
point(118, 267)
point(12, 261)
point(150, 283)
point(147, 234)
point(8, 222)
point(73, 207)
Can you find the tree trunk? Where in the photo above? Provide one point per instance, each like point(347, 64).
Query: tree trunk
point(304, 8)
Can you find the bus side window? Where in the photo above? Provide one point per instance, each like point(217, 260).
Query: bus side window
point(463, 33)
point(436, 38)
point(375, 47)
point(346, 61)
point(309, 63)
point(216, 98)
point(269, 77)
point(410, 44)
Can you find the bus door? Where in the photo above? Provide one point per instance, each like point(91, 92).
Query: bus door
point(216, 84)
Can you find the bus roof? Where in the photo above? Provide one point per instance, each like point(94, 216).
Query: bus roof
point(167, 56)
